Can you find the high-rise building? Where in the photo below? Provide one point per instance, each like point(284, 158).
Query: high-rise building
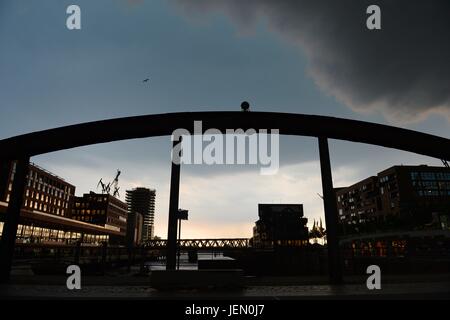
point(142, 200)
point(398, 197)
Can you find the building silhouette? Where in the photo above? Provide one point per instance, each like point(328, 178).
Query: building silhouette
point(400, 197)
point(45, 216)
point(44, 191)
point(104, 210)
point(135, 225)
point(142, 200)
point(280, 225)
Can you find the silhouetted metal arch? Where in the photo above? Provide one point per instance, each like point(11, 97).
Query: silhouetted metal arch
point(89, 133)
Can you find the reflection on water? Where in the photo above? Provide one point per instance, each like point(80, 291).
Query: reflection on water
point(184, 261)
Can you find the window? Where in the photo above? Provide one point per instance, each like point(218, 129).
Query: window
point(428, 176)
point(414, 175)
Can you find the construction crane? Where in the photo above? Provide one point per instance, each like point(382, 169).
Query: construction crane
point(115, 184)
point(111, 186)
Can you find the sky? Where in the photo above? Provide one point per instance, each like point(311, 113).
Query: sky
point(311, 57)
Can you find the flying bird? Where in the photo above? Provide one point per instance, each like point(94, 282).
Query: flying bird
point(146, 80)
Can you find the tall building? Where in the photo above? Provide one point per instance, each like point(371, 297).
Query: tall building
point(142, 200)
point(280, 225)
point(102, 209)
point(398, 197)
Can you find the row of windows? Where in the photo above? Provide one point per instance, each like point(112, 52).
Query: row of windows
point(84, 204)
point(89, 212)
point(430, 193)
point(43, 179)
point(49, 189)
point(88, 219)
point(43, 207)
point(431, 184)
point(47, 199)
point(37, 234)
point(430, 176)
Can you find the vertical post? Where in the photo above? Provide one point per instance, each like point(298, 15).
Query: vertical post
point(12, 218)
point(173, 210)
point(104, 255)
point(331, 214)
point(179, 243)
point(77, 253)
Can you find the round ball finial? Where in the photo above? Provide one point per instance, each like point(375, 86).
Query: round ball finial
point(245, 106)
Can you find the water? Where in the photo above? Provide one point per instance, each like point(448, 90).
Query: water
point(184, 261)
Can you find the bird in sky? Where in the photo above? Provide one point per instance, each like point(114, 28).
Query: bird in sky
point(146, 80)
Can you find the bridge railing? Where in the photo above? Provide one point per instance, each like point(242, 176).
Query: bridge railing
point(235, 243)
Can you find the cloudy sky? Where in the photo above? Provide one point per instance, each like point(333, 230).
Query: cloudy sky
point(313, 57)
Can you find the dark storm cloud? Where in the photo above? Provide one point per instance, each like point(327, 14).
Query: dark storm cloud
point(402, 71)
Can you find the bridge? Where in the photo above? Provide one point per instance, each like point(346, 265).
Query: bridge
point(20, 148)
point(205, 244)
